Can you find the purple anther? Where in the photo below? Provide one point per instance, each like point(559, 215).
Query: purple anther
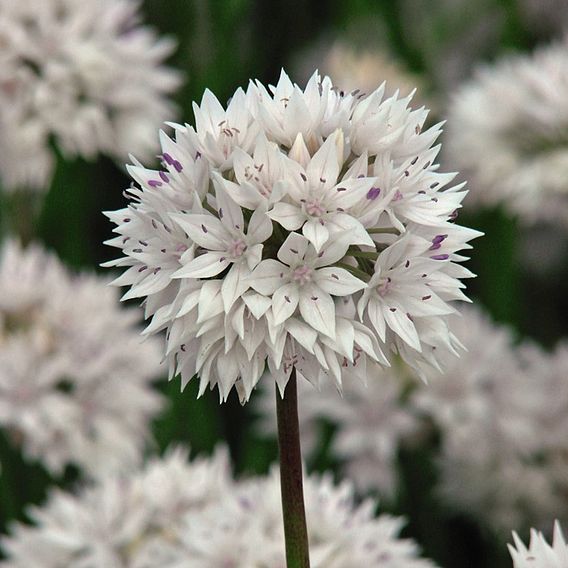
point(168, 159)
point(435, 246)
point(440, 257)
point(439, 238)
point(397, 196)
point(165, 177)
point(178, 167)
point(154, 183)
point(373, 193)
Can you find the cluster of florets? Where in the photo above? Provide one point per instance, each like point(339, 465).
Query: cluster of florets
point(296, 229)
point(507, 131)
point(75, 379)
point(513, 401)
point(177, 514)
point(84, 74)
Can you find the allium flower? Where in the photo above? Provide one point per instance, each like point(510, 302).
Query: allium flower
point(540, 554)
point(513, 402)
point(86, 75)
point(306, 229)
point(371, 422)
point(123, 520)
point(74, 378)
point(507, 130)
point(176, 514)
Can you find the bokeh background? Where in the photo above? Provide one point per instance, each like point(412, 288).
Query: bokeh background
point(522, 271)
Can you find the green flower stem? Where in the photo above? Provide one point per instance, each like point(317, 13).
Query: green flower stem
point(295, 529)
point(385, 231)
point(363, 254)
point(361, 274)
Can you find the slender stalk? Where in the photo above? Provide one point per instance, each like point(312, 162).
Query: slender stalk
point(295, 529)
point(355, 271)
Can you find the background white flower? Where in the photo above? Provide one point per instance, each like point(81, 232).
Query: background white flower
point(75, 379)
point(511, 400)
point(86, 75)
point(507, 131)
point(344, 189)
point(193, 515)
point(123, 520)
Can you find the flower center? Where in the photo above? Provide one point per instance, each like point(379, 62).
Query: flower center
point(384, 287)
point(302, 274)
point(237, 248)
point(314, 208)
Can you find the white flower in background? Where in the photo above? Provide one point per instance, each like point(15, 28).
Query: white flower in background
point(85, 75)
point(122, 520)
point(75, 379)
point(363, 69)
point(371, 421)
point(507, 130)
point(246, 530)
point(193, 515)
point(540, 554)
point(267, 219)
point(512, 401)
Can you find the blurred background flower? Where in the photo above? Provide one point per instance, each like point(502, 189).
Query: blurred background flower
point(173, 513)
point(75, 379)
point(85, 75)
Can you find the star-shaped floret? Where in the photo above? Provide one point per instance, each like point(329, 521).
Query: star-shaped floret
point(224, 241)
point(218, 131)
point(303, 278)
point(319, 202)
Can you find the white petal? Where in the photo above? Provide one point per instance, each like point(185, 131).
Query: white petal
point(318, 310)
point(338, 281)
point(288, 215)
point(259, 228)
point(299, 151)
point(324, 166)
point(316, 232)
point(204, 266)
point(234, 284)
point(302, 333)
point(230, 214)
point(293, 249)
point(256, 303)
point(204, 230)
point(284, 302)
point(210, 301)
point(400, 323)
point(350, 228)
point(268, 276)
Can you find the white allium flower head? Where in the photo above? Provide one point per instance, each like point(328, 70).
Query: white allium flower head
point(193, 515)
point(87, 75)
point(75, 379)
point(507, 131)
point(308, 229)
point(513, 402)
point(122, 520)
point(371, 422)
point(540, 554)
